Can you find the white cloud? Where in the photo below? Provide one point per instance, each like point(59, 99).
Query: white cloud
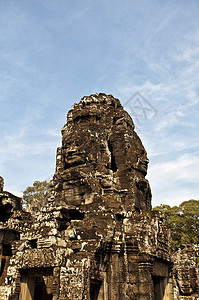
point(185, 168)
point(193, 98)
point(188, 51)
point(19, 145)
point(53, 133)
point(175, 180)
point(156, 91)
point(172, 197)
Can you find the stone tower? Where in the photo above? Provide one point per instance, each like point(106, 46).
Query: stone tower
point(102, 157)
point(95, 238)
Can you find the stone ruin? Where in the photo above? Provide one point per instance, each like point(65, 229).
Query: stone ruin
point(95, 236)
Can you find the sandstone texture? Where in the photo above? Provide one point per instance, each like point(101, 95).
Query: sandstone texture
point(95, 236)
point(186, 272)
point(102, 157)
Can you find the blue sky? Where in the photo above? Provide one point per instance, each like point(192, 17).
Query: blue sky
point(52, 53)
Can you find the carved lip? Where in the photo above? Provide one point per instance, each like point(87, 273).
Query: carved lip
point(142, 165)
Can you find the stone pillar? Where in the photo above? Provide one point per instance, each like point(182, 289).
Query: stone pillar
point(131, 269)
point(115, 273)
point(114, 283)
point(56, 283)
point(145, 284)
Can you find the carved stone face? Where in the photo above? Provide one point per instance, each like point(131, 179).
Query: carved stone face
point(74, 157)
point(101, 154)
point(137, 155)
point(142, 162)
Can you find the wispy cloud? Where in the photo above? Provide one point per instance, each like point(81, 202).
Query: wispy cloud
point(20, 145)
point(175, 176)
point(171, 138)
point(185, 168)
point(52, 54)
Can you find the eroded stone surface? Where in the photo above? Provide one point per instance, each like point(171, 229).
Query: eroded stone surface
point(1, 184)
point(102, 158)
point(186, 275)
point(96, 237)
